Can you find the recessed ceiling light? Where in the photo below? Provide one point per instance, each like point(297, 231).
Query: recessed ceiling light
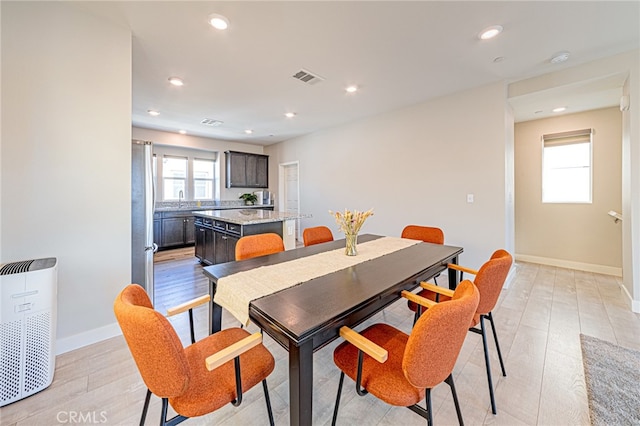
point(182, 132)
point(176, 81)
point(490, 32)
point(153, 112)
point(289, 114)
point(559, 109)
point(248, 131)
point(351, 89)
point(218, 22)
point(498, 59)
point(559, 57)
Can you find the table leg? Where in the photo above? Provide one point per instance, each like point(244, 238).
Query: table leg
point(453, 275)
point(215, 311)
point(300, 383)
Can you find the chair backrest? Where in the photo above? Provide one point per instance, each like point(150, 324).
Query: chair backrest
point(490, 279)
point(316, 235)
point(423, 233)
point(258, 245)
point(437, 337)
point(153, 343)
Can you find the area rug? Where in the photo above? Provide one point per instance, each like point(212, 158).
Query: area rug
point(612, 374)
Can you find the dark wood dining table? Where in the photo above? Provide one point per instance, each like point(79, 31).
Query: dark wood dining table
point(308, 316)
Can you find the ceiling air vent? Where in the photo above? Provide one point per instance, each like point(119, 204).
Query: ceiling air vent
point(211, 122)
point(307, 77)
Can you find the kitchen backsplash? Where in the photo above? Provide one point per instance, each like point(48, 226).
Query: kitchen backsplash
point(194, 204)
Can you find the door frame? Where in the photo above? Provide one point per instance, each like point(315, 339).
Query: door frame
point(282, 189)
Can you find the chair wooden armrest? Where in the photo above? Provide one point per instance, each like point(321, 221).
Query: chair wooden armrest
point(376, 352)
point(230, 352)
point(462, 269)
point(188, 305)
point(423, 301)
point(437, 289)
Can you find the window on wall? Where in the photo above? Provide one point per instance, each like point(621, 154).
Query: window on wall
point(203, 178)
point(566, 167)
point(174, 177)
point(195, 172)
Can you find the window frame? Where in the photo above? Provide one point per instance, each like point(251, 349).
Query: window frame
point(161, 151)
point(575, 137)
point(185, 179)
point(196, 179)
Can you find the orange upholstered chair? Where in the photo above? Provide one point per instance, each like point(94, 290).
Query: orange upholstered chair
point(402, 369)
point(489, 280)
point(427, 234)
point(258, 245)
point(197, 379)
point(423, 233)
point(316, 235)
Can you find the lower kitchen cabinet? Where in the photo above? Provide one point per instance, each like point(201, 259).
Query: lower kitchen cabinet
point(225, 247)
point(205, 241)
point(176, 229)
point(216, 240)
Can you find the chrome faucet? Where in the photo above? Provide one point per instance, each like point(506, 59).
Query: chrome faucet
point(180, 197)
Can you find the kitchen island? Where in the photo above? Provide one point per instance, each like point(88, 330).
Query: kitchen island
point(218, 231)
point(173, 222)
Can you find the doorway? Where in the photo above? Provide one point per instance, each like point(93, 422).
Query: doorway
point(289, 199)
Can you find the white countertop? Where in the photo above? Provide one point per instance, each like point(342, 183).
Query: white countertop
point(249, 216)
point(224, 207)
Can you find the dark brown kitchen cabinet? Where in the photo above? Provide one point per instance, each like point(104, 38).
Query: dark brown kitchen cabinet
point(225, 247)
point(176, 229)
point(205, 241)
point(246, 170)
point(157, 228)
point(216, 239)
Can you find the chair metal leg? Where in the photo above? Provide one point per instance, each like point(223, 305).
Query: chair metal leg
point(449, 381)
point(266, 397)
point(163, 413)
point(191, 327)
point(335, 410)
point(416, 315)
point(495, 337)
point(429, 407)
point(488, 364)
point(145, 408)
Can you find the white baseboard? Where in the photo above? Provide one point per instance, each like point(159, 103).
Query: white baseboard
point(67, 344)
point(635, 304)
point(510, 277)
point(587, 267)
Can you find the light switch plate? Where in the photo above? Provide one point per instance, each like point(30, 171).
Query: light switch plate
point(469, 198)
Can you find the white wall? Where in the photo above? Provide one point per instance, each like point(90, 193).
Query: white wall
point(413, 166)
point(631, 184)
point(188, 141)
point(581, 235)
point(66, 155)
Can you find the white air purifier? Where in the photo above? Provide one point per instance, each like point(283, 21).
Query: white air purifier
point(27, 327)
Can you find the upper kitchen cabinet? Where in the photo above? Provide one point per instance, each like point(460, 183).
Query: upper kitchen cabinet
point(245, 170)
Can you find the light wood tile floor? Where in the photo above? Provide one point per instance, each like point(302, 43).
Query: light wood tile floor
point(539, 319)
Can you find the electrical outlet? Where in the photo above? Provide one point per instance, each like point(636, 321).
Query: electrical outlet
point(469, 198)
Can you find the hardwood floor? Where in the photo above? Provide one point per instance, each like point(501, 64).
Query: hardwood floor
point(539, 319)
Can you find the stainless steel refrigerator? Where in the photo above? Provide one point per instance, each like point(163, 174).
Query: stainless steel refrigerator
point(142, 205)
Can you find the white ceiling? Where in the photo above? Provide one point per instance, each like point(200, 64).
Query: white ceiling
point(398, 53)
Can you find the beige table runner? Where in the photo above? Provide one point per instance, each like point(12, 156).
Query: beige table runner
point(235, 292)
